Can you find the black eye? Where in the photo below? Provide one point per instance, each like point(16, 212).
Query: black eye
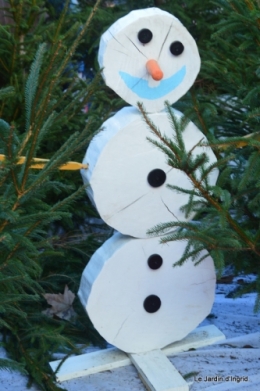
point(156, 178)
point(145, 35)
point(176, 48)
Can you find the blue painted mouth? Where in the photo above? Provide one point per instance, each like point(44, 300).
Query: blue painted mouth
point(140, 87)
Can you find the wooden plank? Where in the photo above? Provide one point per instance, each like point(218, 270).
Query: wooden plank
point(157, 372)
point(252, 339)
point(202, 336)
point(112, 358)
point(89, 363)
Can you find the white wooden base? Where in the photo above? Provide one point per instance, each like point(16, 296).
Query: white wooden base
point(156, 371)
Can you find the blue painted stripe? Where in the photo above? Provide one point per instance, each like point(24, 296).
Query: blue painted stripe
point(140, 86)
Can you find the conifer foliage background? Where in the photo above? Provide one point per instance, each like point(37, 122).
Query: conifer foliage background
point(42, 111)
point(224, 103)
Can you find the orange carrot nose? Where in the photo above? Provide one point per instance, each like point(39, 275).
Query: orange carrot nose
point(154, 69)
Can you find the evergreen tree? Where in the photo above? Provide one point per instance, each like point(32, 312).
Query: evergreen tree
point(41, 109)
point(224, 103)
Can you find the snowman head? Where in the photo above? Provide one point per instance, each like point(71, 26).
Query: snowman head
point(149, 56)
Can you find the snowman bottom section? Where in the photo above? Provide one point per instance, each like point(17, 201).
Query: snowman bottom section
point(137, 300)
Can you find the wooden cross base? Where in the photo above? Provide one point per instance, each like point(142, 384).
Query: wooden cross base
point(155, 370)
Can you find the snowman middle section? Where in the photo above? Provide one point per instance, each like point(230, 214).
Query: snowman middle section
point(128, 175)
point(132, 293)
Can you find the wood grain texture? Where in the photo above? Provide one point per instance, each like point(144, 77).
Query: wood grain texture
point(157, 372)
point(113, 358)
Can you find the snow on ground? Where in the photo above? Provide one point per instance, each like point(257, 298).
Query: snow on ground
point(233, 364)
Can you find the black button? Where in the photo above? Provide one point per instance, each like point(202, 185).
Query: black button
point(152, 304)
point(155, 261)
point(176, 48)
point(156, 178)
point(145, 35)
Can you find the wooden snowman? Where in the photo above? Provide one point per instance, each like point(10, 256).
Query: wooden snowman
point(132, 293)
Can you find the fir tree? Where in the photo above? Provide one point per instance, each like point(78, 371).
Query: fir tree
point(224, 103)
point(41, 94)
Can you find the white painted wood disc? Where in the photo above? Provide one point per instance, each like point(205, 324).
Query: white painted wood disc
point(138, 308)
point(141, 36)
point(122, 162)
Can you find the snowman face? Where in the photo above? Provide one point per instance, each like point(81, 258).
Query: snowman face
point(149, 56)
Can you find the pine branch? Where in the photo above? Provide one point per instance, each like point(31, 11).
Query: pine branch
point(198, 185)
point(12, 366)
point(32, 84)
